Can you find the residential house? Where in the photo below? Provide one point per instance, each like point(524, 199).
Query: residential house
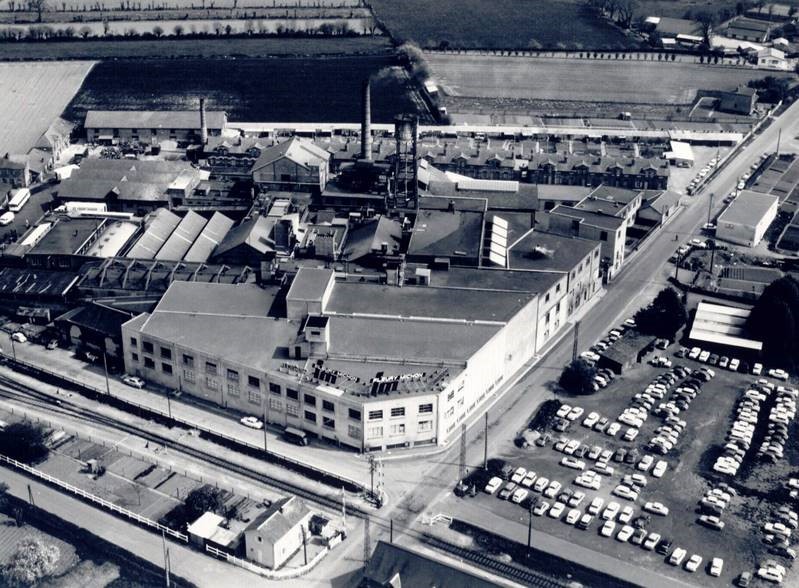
point(15, 171)
point(773, 59)
point(278, 533)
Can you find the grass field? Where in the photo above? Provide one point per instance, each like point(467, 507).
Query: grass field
point(588, 80)
point(497, 24)
point(31, 96)
point(252, 90)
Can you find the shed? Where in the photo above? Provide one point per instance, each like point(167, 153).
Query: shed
point(626, 352)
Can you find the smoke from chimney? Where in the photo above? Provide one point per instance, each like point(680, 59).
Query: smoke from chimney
point(366, 123)
point(203, 124)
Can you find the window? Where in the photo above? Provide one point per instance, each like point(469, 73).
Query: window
point(253, 381)
point(596, 253)
point(233, 388)
point(166, 368)
point(557, 288)
point(398, 429)
point(210, 383)
point(546, 318)
point(398, 411)
point(134, 342)
point(147, 346)
point(134, 356)
point(149, 363)
point(375, 415)
point(328, 406)
point(310, 416)
point(292, 409)
point(232, 376)
point(354, 414)
point(210, 368)
point(275, 404)
point(275, 389)
point(310, 399)
point(424, 426)
point(451, 395)
point(293, 394)
point(328, 423)
point(188, 361)
point(557, 307)
point(188, 375)
point(354, 432)
point(425, 408)
point(375, 432)
point(546, 299)
point(603, 236)
point(166, 353)
point(254, 396)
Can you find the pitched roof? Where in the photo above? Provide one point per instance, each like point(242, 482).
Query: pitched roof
point(368, 237)
point(301, 151)
point(281, 517)
point(211, 235)
point(98, 317)
point(153, 119)
point(254, 232)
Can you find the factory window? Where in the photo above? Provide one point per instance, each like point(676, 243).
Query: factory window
point(188, 361)
point(275, 389)
point(210, 368)
point(355, 414)
point(310, 416)
point(115, 132)
point(134, 342)
point(292, 409)
point(149, 363)
point(275, 404)
point(328, 406)
point(254, 397)
point(188, 375)
point(253, 381)
point(310, 399)
point(233, 375)
point(293, 394)
point(398, 429)
point(424, 426)
point(134, 356)
point(233, 388)
point(166, 368)
point(210, 383)
point(375, 432)
point(375, 415)
point(147, 346)
point(425, 408)
point(398, 411)
point(354, 432)
point(603, 236)
point(328, 423)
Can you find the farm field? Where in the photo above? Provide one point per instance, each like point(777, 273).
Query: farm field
point(32, 95)
point(497, 24)
point(206, 47)
point(249, 90)
point(583, 79)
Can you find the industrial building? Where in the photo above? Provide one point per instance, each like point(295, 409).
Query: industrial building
point(153, 126)
point(747, 218)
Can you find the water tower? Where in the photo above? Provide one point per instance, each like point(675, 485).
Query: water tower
point(404, 191)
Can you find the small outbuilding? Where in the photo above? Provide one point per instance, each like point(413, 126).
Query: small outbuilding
point(747, 218)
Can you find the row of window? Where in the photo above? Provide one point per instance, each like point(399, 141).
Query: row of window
point(399, 411)
point(376, 431)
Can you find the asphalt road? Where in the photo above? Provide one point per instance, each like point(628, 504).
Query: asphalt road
point(416, 486)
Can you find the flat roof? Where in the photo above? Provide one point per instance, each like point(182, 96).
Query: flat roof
point(597, 219)
point(542, 251)
point(447, 234)
point(723, 325)
point(310, 284)
point(153, 119)
point(355, 298)
point(748, 208)
point(116, 234)
point(66, 236)
point(490, 279)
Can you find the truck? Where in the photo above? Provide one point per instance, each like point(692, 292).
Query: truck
point(19, 198)
point(75, 206)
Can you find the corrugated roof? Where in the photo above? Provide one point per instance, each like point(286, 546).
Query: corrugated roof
point(211, 235)
point(159, 227)
point(182, 238)
point(722, 325)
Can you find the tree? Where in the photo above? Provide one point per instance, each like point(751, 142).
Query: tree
point(38, 6)
point(664, 317)
point(774, 320)
point(178, 30)
point(202, 500)
point(158, 31)
point(626, 10)
point(3, 496)
point(578, 377)
point(24, 442)
point(32, 561)
point(708, 21)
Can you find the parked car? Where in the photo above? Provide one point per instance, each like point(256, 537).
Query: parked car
point(19, 337)
point(693, 563)
point(133, 381)
point(252, 422)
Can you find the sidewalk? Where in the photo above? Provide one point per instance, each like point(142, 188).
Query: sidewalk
point(321, 456)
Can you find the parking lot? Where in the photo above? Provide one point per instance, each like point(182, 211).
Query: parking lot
point(689, 478)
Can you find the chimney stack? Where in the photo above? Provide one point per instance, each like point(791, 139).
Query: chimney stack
point(366, 124)
point(203, 124)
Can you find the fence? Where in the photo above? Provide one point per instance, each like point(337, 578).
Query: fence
point(283, 574)
point(95, 499)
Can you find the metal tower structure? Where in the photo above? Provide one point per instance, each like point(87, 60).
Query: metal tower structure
point(404, 191)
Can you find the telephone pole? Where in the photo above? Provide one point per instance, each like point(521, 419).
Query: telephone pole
point(105, 368)
point(485, 443)
point(462, 457)
point(576, 345)
point(367, 541)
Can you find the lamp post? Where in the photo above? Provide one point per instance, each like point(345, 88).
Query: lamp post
point(105, 368)
point(13, 349)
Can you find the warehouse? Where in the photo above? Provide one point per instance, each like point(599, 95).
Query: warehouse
point(149, 126)
point(747, 218)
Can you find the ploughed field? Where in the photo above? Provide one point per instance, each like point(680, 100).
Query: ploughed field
point(251, 90)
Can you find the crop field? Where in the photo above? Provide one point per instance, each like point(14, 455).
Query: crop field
point(32, 95)
point(250, 90)
point(497, 24)
point(595, 80)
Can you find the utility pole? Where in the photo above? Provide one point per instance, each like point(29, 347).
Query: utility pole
point(779, 139)
point(105, 368)
point(343, 506)
point(266, 423)
point(529, 528)
point(391, 531)
point(485, 443)
point(13, 349)
point(462, 457)
point(166, 559)
point(576, 345)
point(367, 541)
point(30, 495)
point(710, 208)
point(304, 545)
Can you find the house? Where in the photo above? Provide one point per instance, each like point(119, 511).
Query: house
point(15, 170)
point(209, 529)
point(276, 534)
point(626, 352)
point(773, 59)
point(772, 12)
point(681, 154)
point(748, 29)
point(250, 243)
point(55, 139)
point(151, 126)
point(747, 218)
point(657, 206)
point(740, 101)
point(369, 242)
point(294, 165)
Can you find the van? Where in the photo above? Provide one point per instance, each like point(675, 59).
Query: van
point(19, 198)
point(295, 436)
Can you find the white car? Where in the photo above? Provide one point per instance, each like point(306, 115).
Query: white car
point(133, 381)
point(6, 218)
point(518, 475)
point(575, 413)
point(625, 492)
point(716, 567)
point(528, 479)
point(778, 373)
point(607, 529)
point(591, 419)
point(660, 469)
point(677, 556)
point(519, 495)
point(553, 489)
point(573, 516)
point(556, 510)
point(693, 563)
point(595, 506)
point(733, 367)
point(626, 514)
point(19, 337)
point(563, 410)
point(493, 485)
point(611, 510)
point(657, 508)
point(625, 533)
point(575, 464)
point(252, 422)
point(612, 429)
point(630, 434)
point(590, 356)
point(645, 463)
point(694, 353)
point(651, 542)
point(704, 356)
point(757, 369)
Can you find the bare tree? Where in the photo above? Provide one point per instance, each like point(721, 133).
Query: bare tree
point(626, 10)
point(708, 21)
point(38, 6)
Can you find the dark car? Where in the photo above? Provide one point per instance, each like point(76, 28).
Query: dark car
point(543, 440)
point(500, 467)
point(663, 547)
point(638, 537)
point(714, 359)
